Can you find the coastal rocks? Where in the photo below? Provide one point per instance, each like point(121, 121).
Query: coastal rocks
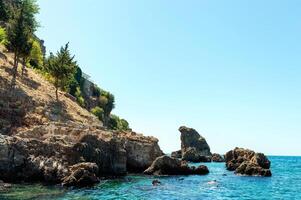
point(166, 165)
point(141, 151)
point(217, 158)
point(192, 155)
point(176, 154)
point(247, 162)
point(194, 145)
point(50, 153)
point(82, 174)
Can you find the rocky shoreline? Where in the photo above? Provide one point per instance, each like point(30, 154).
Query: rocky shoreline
point(73, 154)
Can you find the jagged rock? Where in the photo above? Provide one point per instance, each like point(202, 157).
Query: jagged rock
point(141, 151)
point(176, 154)
point(192, 155)
point(194, 147)
point(47, 152)
point(190, 138)
point(247, 162)
point(217, 158)
point(166, 165)
point(82, 174)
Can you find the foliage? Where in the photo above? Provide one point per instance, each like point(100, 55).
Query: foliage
point(61, 67)
point(97, 111)
point(116, 123)
point(36, 55)
point(3, 36)
point(80, 99)
point(96, 91)
point(107, 103)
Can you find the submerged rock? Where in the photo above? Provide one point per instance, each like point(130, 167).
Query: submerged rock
point(247, 162)
point(166, 165)
point(217, 158)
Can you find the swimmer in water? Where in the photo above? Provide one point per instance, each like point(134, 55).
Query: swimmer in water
point(156, 182)
point(212, 182)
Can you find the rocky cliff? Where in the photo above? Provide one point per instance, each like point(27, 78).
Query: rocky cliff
point(42, 140)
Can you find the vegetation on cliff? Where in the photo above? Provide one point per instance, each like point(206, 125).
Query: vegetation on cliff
point(17, 33)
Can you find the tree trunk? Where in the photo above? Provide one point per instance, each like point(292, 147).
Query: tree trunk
point(56, 94)
point(15, 70)
point(23, 66)
point(56, 90)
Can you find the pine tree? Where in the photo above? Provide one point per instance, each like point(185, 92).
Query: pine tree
point(61, 67)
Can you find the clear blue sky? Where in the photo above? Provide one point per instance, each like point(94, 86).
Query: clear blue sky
point(230, 69)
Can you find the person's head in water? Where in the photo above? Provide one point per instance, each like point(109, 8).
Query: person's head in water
point(156, 182)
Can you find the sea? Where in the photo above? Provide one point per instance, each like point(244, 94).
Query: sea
point(285, 183)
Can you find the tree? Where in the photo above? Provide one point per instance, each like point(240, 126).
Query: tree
point(20, 29)
point(107, 103)
point(61, 67)
point(117, 123)
point(36, 55)
point(98, 112)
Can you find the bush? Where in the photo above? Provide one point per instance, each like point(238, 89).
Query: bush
point(3, 36)
point(116, 123)
point(98, 112)
point(80, 99)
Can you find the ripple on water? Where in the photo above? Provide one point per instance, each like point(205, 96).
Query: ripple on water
point(218, 184)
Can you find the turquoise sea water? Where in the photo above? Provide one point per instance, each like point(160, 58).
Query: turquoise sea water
point(284, 184)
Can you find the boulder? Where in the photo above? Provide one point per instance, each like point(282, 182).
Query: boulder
point(192, 155)
point(217, 158)
point(176, 154)
point(247, 162)
point(82, 174)
point(165, 165)
point(141, 151)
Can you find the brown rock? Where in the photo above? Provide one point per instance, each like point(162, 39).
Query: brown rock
point(166, 165)
point(176, 154)
point(81, 174)
point(217, 158)
point(247, 162)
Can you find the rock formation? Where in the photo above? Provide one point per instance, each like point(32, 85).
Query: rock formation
point(217, 158)
point(176, 154)
point(247, 162)
point(166, 165)
point(55, 152)
point(192, 155)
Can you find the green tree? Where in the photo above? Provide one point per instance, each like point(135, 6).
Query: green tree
point(61, 67)
point(4, 11)
point(20, 29)
point(107, 103)
point(36, 55)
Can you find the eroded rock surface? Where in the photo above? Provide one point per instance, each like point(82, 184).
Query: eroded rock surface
point(50, 152)
point(247, 162)
point(217, 158)
point(166, 165)
point(194, 147)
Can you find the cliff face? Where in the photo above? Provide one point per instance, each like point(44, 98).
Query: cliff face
point(42, 140)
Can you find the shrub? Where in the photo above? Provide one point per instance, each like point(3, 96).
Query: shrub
point(116, 123)
point(80, 99)
point(3, 36)
point(98, 112)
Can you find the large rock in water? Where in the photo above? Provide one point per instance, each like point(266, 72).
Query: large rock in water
point(47, 153)
point(247, 162)
point(166, 165)
point(192, 155)
point(217, 158)
point(193, 144)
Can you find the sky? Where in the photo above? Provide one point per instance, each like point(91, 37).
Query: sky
point(229, 69)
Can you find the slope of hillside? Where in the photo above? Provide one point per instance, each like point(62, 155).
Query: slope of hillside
point(33, 101)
